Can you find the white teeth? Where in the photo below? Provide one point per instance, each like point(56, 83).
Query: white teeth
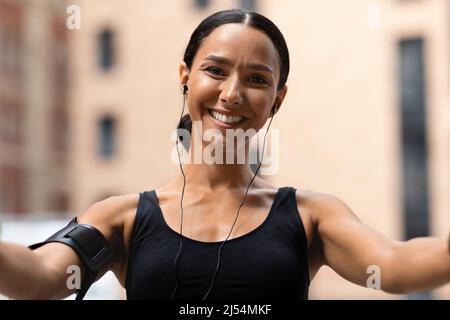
point(225, 118)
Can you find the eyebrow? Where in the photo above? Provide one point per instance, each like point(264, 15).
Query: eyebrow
point(223, 60)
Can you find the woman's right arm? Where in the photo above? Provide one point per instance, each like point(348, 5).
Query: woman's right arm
point(43, 273)
point(39, 274)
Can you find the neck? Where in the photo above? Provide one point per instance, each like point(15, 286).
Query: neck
point(218, 176)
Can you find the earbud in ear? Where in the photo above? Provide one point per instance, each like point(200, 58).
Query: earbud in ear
point(185, 88)
point(274, 109)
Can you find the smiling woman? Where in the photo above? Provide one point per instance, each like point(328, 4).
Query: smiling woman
point(246, 57)
point(219, 239)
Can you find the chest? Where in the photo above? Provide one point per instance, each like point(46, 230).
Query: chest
point(215, 219)
point(254, 266)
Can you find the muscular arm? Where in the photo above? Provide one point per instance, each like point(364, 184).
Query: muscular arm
point(41, 274)
point(421, 264)
point(27, 274)
point(349, 247)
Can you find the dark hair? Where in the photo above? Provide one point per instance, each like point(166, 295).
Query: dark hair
point(252, 19)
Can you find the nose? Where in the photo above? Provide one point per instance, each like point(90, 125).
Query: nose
point(231, 92)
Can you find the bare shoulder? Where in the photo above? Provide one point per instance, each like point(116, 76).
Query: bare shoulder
point(322, 209)
point(321, 204)
point(114, 218)
point(110, 214)
point(316, 207)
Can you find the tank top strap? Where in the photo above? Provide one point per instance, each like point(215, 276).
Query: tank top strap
point(286, 216)
point(147, 220)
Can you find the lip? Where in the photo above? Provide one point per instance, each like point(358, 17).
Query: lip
point(223, 124)
point(228, 113)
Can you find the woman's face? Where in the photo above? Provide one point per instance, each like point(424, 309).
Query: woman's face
point(235, 72)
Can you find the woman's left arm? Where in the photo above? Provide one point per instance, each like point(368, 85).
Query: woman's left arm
point(352, 250)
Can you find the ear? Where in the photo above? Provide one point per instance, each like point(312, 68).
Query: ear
point(280, 97)
point(184, 73)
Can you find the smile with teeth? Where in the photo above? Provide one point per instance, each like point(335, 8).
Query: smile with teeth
point(226, 119)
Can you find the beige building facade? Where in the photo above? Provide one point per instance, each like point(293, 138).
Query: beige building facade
point(33, 107)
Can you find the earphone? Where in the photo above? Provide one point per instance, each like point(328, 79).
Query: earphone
point(273, 111)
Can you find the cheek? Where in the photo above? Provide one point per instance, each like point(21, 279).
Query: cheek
point(204, 87)
point(260, 102)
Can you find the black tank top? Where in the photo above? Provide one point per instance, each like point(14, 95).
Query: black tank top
point(269, 262)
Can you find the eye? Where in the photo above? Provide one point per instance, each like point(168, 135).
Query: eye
point(214, 70)
point(258, 79)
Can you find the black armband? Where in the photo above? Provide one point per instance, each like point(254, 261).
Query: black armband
point(90, 245)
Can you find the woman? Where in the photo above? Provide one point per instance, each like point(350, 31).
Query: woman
point(233, 77)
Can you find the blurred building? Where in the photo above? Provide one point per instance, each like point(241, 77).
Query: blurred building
point(33, 106)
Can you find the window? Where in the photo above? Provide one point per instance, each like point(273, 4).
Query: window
point(413, 141)
point(9, 54)
point(201, 4)
point(413, 133)
point(59, 202)
point(4, 121)
point(60, 129)
point(106, 50)
point(2, 52)
point(12, 124)
point(15, 56)
point(107, 136)
point(60, 64)
point(11, 186)
point(248, 5)
point(9, 123)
